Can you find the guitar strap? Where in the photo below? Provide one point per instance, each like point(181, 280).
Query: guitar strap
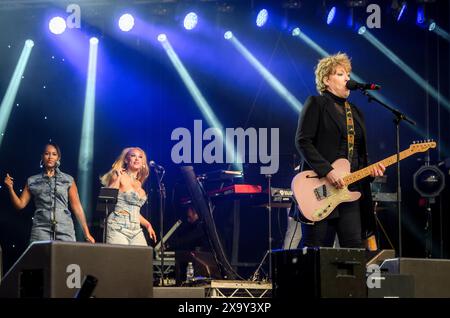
point(350, 130)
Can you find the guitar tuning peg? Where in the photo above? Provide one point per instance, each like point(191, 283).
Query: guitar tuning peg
point(414, 142)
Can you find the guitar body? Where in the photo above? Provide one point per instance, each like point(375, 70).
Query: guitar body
point(317, 198)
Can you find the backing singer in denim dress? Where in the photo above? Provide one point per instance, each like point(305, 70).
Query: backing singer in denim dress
point(41, 187)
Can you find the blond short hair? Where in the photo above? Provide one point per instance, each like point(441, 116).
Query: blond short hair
point(327, 66)
point(121, 164)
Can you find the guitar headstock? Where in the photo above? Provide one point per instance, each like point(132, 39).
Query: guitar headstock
point(422, 146)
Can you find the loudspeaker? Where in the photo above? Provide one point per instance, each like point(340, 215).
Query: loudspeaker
point(393, 286)
point(57, 269)
point(319, 273)
point(431, 276)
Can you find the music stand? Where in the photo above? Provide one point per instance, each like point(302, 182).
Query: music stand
point(106, 202)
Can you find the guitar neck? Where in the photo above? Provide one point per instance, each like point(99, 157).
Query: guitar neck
point(362, 173)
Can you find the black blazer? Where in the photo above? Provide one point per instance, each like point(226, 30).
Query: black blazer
point(317, 140)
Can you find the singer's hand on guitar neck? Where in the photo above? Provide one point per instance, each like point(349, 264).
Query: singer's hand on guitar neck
point(335, 179)
point(378, 170)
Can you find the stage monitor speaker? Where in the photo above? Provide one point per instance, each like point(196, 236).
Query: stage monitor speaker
point(319, 273)
point(431, 276)
point(393, 286)
point(55, 269)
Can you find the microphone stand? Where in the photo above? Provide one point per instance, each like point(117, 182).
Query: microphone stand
point(398, 117)
point(162, 200)
point(53, 218)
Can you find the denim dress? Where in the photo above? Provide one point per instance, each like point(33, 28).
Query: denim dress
point(42, 188)
point(125, 228)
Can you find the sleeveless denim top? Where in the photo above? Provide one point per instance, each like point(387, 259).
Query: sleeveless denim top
point(130, 202)
point(42, 187)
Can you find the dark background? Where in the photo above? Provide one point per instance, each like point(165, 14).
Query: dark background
point(140, 99)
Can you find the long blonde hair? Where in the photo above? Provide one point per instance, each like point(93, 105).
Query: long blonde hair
point(121, 164)
point(327, 66)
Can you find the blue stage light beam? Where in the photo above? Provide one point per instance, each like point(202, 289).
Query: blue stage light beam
point(433, 27)
point(13, 87)
point(201, 102)
point(402, 11)
point(407, 69)
point(264, 72)
point(86, 153)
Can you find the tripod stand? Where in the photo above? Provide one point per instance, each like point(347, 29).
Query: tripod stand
point(269, 251)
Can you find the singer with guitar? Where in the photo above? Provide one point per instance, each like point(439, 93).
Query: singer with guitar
point(330, 128)
point(52, 191)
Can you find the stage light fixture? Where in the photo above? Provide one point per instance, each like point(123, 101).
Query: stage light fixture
point(126, 22)
point(57, 25)
point(331, 15)
point(262, 17)
point(190, 21)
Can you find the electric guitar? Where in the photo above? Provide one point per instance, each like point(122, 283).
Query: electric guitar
point(317, 197)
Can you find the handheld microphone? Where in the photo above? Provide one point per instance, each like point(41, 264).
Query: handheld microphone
point(153, 164)
point(354, 85)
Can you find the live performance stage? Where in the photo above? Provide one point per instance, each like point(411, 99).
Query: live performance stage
point(270, 150)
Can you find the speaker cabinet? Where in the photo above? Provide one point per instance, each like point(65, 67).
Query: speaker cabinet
point(319, 273)
point(393, 286)
point(57, 269)
point(431, 276)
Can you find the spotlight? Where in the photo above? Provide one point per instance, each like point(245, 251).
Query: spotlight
point(162, 37)
point(57, 25)
point(93, 41)
point(432, 26)
point(29, 43)
point(296, 32)
point(126, 22)
point(262, 17)
point(228, 35)
point(190, 21)
point(362, 30)
point(420, 18)
point(401, 11)
point(331, 15)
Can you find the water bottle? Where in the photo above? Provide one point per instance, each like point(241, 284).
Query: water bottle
point(190, 272)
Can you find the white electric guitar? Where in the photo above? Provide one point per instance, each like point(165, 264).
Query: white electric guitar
point(317, 197)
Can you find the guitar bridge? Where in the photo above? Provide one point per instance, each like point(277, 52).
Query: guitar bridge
point(321, 192)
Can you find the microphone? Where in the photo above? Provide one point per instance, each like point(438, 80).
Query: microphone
point(354, 85)
point(153, 164)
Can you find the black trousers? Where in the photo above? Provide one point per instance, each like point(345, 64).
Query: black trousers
point(347, 226)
